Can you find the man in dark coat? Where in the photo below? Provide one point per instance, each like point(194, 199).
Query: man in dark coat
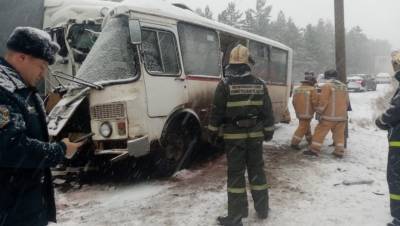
point(390, 120)
point(26, 155)
point(242, 108)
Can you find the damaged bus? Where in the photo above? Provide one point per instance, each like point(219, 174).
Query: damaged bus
point(74, 24)
point(148, 82)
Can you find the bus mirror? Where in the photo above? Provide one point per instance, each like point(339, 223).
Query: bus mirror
point(135, 32)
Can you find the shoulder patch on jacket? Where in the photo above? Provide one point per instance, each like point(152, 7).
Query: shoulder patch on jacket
point(4, 116)
point(9, 79)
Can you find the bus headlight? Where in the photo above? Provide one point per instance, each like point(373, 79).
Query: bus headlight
point(105, 129)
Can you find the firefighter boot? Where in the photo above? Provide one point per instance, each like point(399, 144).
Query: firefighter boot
point(395, 222)
point(229, 221)
point(339, 152)
point(295, 147)
point(337, 155)
point(310, 153)
point(262, 215)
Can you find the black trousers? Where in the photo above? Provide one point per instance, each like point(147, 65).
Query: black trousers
point(242, 154)
point(393, 179)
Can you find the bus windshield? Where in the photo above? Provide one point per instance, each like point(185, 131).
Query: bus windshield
point(112, 57)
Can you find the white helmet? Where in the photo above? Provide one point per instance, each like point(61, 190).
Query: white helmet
point(239, 55)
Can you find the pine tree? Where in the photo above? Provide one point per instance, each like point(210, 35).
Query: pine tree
point(231, 16)
point(358, 53)
point(278, 28)
point(262, 16)
point(205, 13)
point(294, 38)
point(249, 22)
point(199, 12)
point(208, 13)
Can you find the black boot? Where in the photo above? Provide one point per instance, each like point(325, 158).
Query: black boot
point(262, 215)
point(295, 147)
point(229, 221)
point(395, 222)
point(310, 153)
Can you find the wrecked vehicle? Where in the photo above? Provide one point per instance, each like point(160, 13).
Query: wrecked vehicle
point(148, 82)
point(73, 24)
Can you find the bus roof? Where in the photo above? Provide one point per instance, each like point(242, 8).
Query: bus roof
point(59, 12)
point(167, 10)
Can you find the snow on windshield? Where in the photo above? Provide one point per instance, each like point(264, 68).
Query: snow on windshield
point(112, 56)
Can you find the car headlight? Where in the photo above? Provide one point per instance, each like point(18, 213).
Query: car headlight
point(105, 129)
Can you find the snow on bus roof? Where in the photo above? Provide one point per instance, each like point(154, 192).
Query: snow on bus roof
point(58, 12)
point(164, 9)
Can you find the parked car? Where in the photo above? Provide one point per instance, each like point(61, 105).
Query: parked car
point(361, 83)
point(383, 78)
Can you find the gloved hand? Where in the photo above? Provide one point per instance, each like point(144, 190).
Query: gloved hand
point(268, 135)
point(380, 124)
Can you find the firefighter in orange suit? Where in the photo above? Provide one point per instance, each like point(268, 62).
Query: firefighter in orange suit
point(305, 99)
point(332, 106)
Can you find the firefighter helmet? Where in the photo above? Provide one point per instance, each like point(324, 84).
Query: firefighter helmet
point(396, 60)
point(239, 55)
point(330, 74)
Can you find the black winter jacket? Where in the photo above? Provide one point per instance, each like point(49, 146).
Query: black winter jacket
point(241, 97)
point(390, 119)
point(26, 156)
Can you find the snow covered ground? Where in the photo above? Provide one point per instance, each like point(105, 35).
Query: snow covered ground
point(304, 191)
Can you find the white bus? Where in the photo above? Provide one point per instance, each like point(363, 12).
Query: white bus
point(149, 82)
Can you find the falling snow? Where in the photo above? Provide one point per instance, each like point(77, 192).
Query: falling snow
point(303, 191)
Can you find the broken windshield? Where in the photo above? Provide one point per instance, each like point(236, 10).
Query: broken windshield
point(112, 56)
point(81, 38)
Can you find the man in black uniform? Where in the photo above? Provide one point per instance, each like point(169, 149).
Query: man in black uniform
point(242, 109)
point(390, 120)
point(26, 194)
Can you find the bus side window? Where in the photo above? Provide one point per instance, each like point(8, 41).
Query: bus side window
point(160, 52)
point(260, 54)
point(200, 50)
point(169, 52)
point(279, 64)
point(152, 58)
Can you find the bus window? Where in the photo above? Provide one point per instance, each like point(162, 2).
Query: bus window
point(227, 43)
point(260, 53)
point(81, 39)
point(160, 55)
point(200, 50)
point(168, 53)
point(279, 65)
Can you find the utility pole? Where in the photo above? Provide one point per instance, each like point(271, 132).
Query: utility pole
point(340, 35)
point(340, 41)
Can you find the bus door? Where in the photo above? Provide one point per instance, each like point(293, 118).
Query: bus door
point(164, 80)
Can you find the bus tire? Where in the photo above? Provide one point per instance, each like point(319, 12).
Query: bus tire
point(181, 142)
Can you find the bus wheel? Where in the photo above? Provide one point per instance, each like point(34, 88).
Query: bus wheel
point(180, 147)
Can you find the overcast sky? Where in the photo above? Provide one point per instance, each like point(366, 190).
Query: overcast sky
point(378, 18)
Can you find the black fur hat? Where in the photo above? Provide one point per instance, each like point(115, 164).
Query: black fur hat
point(34, 42)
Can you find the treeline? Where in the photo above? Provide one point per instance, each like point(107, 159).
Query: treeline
point(313, 45)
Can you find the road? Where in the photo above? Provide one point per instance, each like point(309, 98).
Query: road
point(304, 191)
